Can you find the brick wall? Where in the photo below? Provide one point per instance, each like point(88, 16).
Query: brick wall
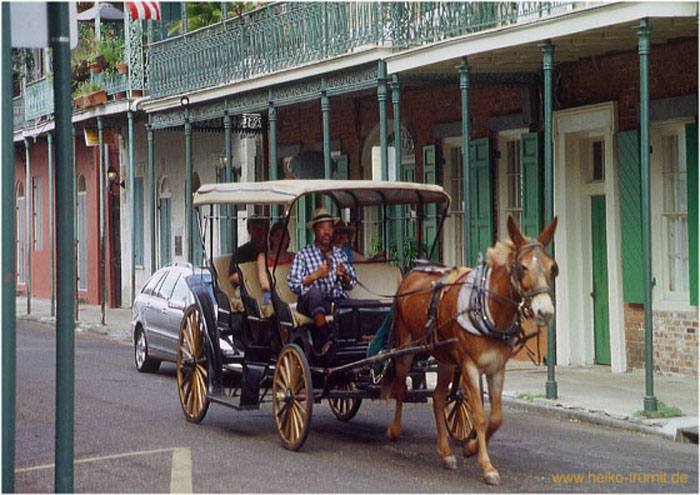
point(675, 340)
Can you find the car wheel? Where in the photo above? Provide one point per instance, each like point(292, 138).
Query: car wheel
point(144, 363)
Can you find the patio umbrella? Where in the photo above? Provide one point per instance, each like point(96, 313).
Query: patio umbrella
point(107, 13)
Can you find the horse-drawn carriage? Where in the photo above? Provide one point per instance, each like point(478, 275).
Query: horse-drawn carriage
point(236, 349)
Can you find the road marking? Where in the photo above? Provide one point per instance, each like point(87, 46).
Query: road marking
point(181, 471)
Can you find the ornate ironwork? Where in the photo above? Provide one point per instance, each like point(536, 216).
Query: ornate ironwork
point(38, 99)
point(133, 32)
point(282, 35)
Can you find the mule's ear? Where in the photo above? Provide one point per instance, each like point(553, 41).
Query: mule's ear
point(548, 233)
point(514, 233)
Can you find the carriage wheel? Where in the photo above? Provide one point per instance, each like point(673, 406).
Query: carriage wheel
point(192, 371)
point(458, 416)
point(292, 397)
point(345, 409)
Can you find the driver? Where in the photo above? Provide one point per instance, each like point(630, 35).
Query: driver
point(320, 275)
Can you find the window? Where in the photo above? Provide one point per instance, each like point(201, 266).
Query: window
point(669, 214)
point(674, 216)
point(166, 288)
point(598, 161)
point(457, 206)
point(82, 234)
point(152, 283)
point(181, 290)
point(38, 222)
point(21, 244)
point(138, 221)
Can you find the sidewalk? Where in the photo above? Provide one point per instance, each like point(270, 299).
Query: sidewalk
point(592, 394)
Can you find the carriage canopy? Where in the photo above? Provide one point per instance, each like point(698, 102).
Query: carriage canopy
point(345, 193)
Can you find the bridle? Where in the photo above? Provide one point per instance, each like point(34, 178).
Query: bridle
point(516, 271)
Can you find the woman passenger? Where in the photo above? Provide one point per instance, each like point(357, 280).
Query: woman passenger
point(278, 235)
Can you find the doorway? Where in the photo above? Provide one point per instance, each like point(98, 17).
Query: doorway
point(601, 320)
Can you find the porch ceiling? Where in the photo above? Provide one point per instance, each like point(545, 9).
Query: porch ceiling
point(568, 48)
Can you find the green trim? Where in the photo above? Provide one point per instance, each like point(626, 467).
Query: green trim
point(430, 223)
point(691, 143)
point(532, 169)
point(630, 183)
point(481, 196)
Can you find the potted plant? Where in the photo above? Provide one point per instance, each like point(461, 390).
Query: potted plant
point(111, 48)
point(89, 94)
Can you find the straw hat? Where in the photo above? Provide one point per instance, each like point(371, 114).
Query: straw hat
point(320, 215)
point(340, 226)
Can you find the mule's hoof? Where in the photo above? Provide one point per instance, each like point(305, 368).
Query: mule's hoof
point(471, 448)
point(492, 478)
point(449, 462)
point(392, 435)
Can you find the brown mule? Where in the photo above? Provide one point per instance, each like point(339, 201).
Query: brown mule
point(520, 276)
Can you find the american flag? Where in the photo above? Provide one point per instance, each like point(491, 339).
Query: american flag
point(144, 10)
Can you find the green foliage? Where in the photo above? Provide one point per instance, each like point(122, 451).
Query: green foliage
point(111, 47)
point(85, 51)
point(201, 14)
point(410, 252)
point(663, 410)
point(85, 88)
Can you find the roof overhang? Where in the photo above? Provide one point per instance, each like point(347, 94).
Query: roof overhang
point(576, 34)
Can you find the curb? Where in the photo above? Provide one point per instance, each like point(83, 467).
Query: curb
point(592, 417)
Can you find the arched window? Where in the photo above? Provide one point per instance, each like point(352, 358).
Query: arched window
point(20, 218)
point(82, 234)
point(164, 222)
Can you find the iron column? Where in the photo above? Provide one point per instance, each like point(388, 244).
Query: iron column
point(272, 117)
point(132, 203)
point(152, 178)
point(326, 122)
point(28, 195)
point(382, 96)
point(189, 212)
point(9, 266)
point(52, 261)
point(644, 34)
point(65, 248)
point(548, 67)
point(398, 209)
point(103, 252)
point(464, 90)
point(226, 244)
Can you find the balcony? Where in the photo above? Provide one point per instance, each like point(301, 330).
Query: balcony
point(284, 35)
point(38, 99)
point(18, 112)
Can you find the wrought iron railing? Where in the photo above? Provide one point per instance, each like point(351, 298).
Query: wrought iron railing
point(38, 99)
point(288, 34)
point(112, 83)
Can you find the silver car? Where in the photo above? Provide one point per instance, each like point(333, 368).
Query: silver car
point(157, 313)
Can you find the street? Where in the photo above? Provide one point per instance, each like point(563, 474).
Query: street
point(131, 436)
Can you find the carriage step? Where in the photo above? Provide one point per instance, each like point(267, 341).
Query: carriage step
point(232, 401)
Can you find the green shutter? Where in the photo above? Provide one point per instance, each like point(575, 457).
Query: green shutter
point(531, 167)
point(481, 196)
point(630, 182)
point(430, 211)
point(138, 221)
point(691, 144)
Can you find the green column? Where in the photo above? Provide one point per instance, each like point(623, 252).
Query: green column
point(152, 199)
point(132, 203)
point(52, 261)
point(65, 248)
point(183, 16)
point(397, 210)
point(644, 34)
point(326, 120)
point(272, 117)
point(464, 91)
point(75, 224)
point(382, 96)
point(226, 227)
point(189, 210)
point(101, 203)
point(28, 194)
point(548, 66)
point(9, 266)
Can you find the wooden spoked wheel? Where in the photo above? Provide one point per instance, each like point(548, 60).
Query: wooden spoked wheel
point(292, 397)
point(192, 371)
point(458, 415)
point(345, 409)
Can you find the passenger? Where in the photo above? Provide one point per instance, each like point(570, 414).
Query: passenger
point(245, 253)
point(342, 238)
point(278, 234)
point(320, 275)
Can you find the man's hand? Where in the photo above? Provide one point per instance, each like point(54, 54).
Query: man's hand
point(323, 270)
point(341, 272)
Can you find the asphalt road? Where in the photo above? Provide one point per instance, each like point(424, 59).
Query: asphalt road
point(131, 436)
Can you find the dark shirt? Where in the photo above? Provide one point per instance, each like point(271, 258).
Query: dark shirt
point(245, 253)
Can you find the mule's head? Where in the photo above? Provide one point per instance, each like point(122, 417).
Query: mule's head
point(532, 271)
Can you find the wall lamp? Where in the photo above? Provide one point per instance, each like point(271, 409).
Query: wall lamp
point(112, 176)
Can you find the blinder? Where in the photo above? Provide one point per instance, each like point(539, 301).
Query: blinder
point(516, 274)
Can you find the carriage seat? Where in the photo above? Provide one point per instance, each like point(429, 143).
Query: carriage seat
point(221, 264)
point(381, 278)
point(290, 298)
point(253, 289)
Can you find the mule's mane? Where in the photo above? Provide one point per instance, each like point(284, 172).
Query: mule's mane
point(501, 254)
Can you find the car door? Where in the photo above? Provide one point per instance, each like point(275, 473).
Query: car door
point(158, 313)
point(175, 308)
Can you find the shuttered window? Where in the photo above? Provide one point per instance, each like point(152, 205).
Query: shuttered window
point(691, 143)
point(481, 196)
point(430, 211)
point(630, 215)
point(138, 221)
point(532, 186)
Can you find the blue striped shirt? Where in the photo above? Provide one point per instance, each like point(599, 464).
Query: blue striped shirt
point(308, 259)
